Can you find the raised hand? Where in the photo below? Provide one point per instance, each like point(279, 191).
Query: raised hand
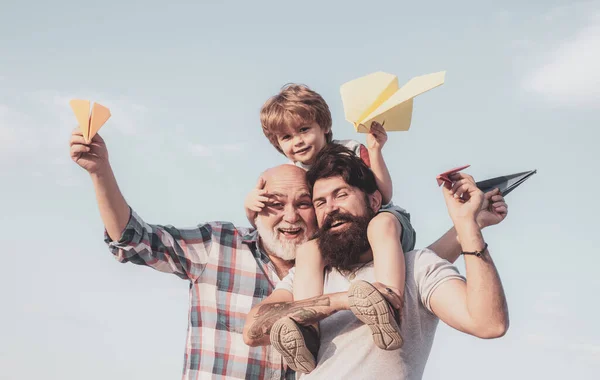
point(256, 200)
point(493, 209)
point(463, 198)
point(377, 136)
point(92, 157)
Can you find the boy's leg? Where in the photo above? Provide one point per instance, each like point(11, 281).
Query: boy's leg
point(372, 308)
point(299, 345)
point(384, 234)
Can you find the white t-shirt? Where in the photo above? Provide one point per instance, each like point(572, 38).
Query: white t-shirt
point(347, 349)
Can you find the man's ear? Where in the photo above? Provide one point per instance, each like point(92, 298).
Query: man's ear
point(375, 200)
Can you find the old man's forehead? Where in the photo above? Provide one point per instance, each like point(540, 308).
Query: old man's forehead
point(286, 179)
point(290, 195)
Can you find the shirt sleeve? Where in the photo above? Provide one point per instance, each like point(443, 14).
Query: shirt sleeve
point(183, 252)
point(288, 281)
point(430, 272)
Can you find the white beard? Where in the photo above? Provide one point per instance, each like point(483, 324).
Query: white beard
point(282, 248)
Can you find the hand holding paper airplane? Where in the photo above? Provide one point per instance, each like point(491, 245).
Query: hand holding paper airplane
point(378, 97)
point(89, 124)
point(505, 184)
point(493, 210)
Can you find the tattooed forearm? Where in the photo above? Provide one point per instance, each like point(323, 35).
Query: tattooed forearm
point(305, 312)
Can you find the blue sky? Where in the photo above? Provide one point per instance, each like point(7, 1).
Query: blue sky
point(185, 83)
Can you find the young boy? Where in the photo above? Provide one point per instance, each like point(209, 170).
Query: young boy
point(297, 122)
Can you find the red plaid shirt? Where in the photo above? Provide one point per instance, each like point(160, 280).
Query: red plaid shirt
point(228, 275)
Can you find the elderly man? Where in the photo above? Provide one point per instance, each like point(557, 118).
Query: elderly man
point(352, 310)
point(230, 269)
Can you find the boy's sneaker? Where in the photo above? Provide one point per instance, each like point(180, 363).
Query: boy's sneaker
point(375, 311)
point(297, 344)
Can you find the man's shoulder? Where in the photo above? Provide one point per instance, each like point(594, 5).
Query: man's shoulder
point(221, 229)
point(424, 262)
point(228, 226)
point(422, 255)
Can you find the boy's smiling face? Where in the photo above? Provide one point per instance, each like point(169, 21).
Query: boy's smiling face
point(302, 143)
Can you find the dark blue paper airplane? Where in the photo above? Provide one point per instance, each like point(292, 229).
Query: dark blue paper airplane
point(506, 183)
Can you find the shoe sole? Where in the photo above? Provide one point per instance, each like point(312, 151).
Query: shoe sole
point(287, 338)
point(369, 306)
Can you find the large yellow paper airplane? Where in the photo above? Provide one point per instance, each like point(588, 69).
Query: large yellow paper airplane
point(378, 97)
point(89, 124)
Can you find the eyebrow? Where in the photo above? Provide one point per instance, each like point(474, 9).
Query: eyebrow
point(335, 191)
point(275, 194)
point(304, 194)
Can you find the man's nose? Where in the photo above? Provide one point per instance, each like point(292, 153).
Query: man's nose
point(330, 207)
point(290, 214)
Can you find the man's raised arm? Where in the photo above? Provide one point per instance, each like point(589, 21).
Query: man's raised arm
point(477, 307)
point(164, 248)
point(493, 211)
point(93, 158)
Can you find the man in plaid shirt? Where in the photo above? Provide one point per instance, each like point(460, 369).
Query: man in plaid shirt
point(230, 269)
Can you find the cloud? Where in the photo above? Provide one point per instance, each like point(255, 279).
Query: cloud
point(35, 129)
point(570, 75)
point(549, 304)
point(16, 132)
point(45, 118)
point(583, 350)
point(201, 150)
point(127, 117)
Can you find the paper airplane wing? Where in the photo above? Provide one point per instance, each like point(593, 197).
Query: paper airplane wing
point(100, 115)
point(363, 95)
point(81, 109)
point(506, 184)
point(444, 177)
point(396, 111)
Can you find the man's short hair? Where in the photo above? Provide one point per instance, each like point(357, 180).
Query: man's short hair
point(337, 160)
point(295, 105)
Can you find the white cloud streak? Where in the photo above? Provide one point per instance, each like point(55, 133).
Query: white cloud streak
point(35, 129)
point(201, 150)
point(570, 75)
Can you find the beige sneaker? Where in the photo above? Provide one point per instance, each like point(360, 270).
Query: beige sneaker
point(372, 309)
point(297, 344)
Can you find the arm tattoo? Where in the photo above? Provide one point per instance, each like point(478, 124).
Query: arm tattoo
point(304, 312)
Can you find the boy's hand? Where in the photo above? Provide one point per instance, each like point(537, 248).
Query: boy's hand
point(255, 200)
point(92, 157)
point(376, 137)
point(493, 210)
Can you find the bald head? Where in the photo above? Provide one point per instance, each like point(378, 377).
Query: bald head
point(285, 174)
point(288, 218)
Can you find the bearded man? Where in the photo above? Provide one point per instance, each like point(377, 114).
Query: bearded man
point(353, 312)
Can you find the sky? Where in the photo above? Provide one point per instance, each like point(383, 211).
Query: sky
point(185, 82)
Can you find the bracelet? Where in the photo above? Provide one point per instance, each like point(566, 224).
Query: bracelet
point(476, 253)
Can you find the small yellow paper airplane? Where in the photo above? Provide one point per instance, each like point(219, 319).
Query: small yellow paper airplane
point(89, 124)
point(378, 97)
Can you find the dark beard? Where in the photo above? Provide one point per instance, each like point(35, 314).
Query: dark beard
point(342, 250)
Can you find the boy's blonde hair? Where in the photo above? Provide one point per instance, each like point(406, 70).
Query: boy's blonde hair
point(295, 105)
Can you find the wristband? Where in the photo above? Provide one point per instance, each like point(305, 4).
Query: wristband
point(476, 253)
